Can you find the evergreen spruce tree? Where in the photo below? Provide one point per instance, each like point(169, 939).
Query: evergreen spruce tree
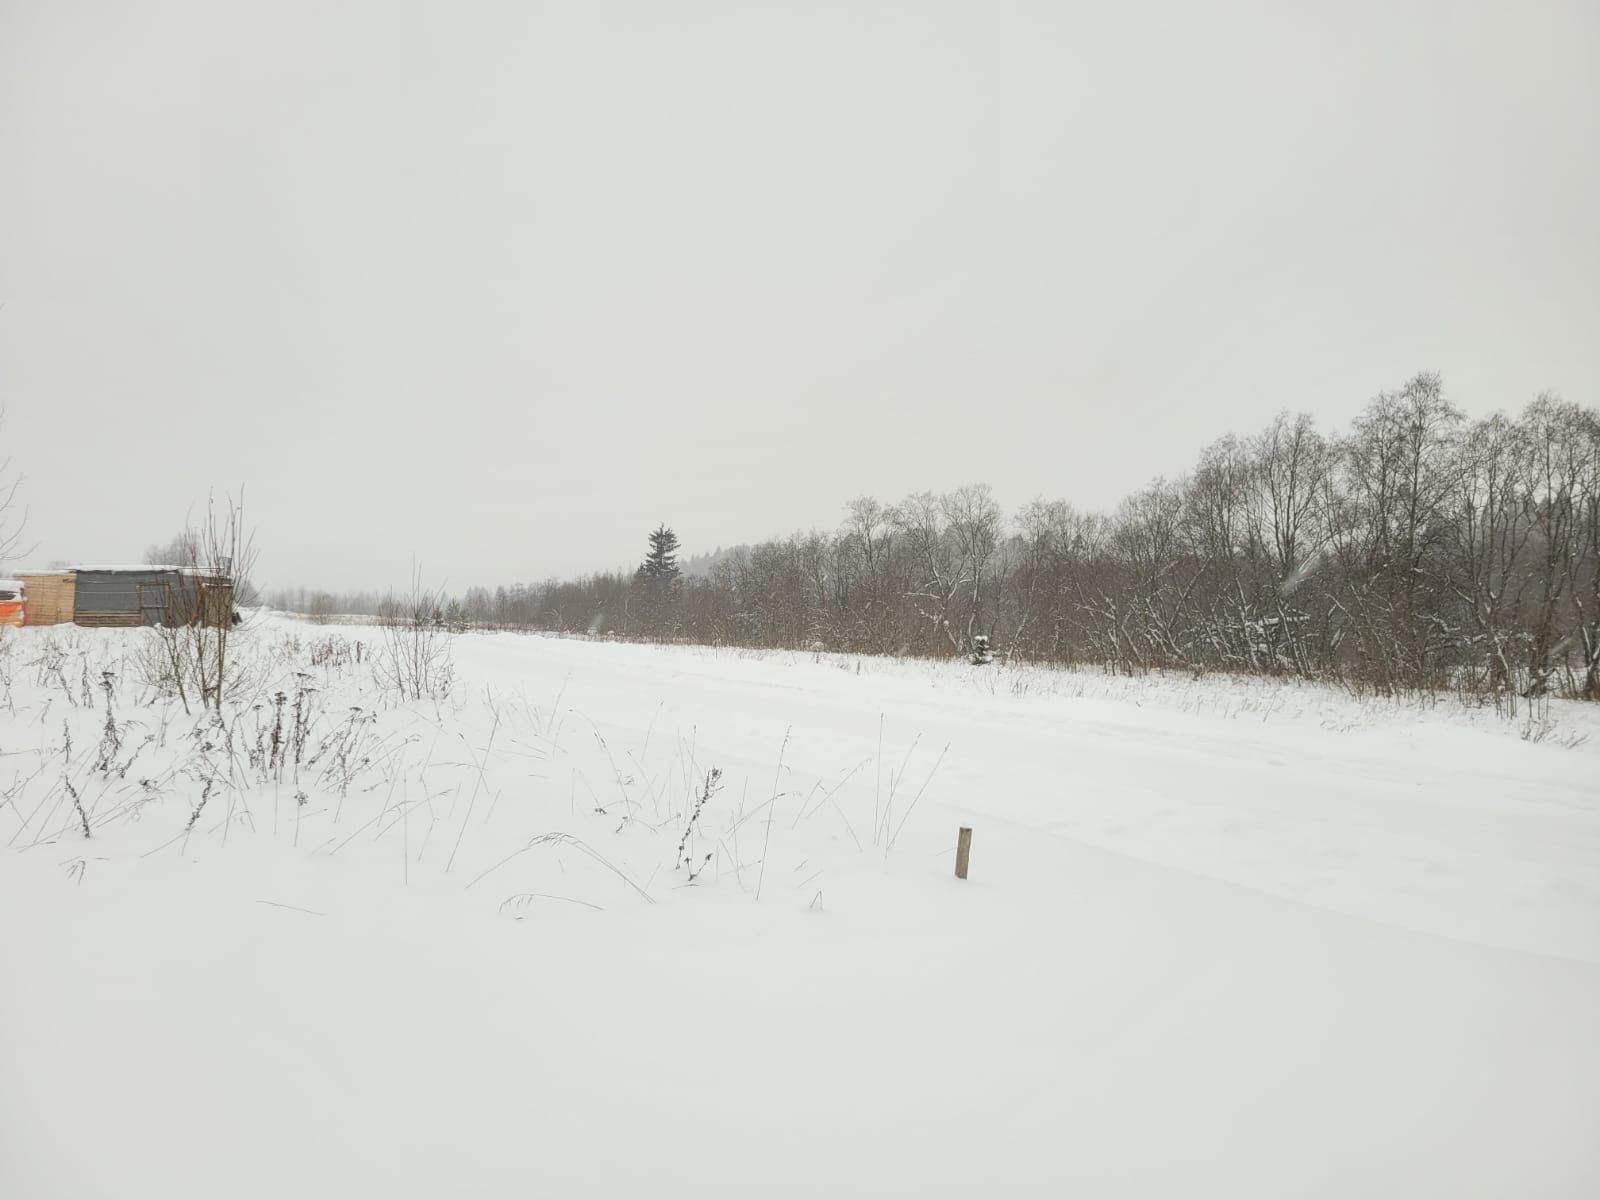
point(657, 580)
point(661, 564)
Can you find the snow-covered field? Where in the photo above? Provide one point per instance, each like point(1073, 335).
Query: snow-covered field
point(1220, 938)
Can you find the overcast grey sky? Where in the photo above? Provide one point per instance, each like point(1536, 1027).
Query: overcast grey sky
point(504, 285)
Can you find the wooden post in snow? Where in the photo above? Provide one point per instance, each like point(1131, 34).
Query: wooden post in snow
point(963, 851)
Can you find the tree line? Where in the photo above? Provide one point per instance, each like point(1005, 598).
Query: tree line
point(1417, 551)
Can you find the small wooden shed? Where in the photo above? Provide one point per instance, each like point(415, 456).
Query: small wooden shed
point(124, 597)
point(47, 597)
point(115, 598)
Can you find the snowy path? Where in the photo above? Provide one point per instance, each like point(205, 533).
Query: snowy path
point(1199, 955)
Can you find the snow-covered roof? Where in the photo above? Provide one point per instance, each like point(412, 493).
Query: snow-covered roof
point(125, 567)
point(114, 568)
point(10, 585)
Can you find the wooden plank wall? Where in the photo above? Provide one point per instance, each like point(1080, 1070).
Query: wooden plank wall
point(48, 599)
point(109, 620)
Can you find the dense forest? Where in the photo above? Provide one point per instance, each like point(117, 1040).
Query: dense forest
point(1417, 551)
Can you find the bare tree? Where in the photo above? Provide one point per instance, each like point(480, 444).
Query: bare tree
point(1584, 564)
point(1292, 465)
point(1489, 536)
point(13, 517)
point(921, 524)
point(217, 555)
point(867, 551)
point(415, 660)
point(1400, 485)
point(973, 520)
point(1557, 460)
point(181, 550)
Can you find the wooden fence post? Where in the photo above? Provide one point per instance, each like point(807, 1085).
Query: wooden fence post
point(963, 851)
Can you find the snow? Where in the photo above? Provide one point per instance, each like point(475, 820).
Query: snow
point(120, 568)
point(124, 567)
point(1220, 938)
